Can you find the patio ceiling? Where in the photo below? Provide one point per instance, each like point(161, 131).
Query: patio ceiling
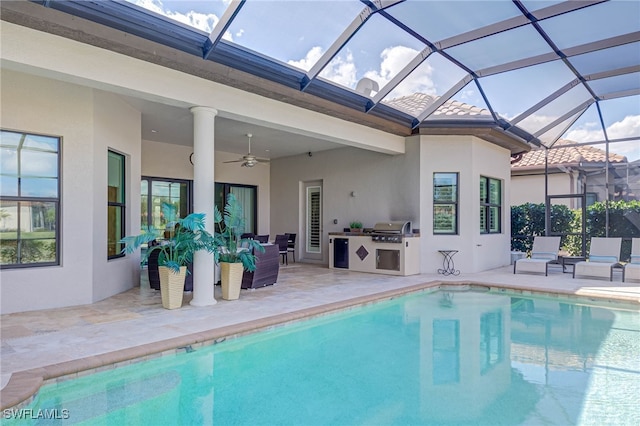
point(540, 70)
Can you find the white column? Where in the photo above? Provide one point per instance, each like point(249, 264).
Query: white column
point(203, 200)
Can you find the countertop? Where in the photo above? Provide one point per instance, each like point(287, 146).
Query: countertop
point(366, 234)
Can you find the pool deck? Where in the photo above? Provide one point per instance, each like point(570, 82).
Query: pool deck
point(42, 345)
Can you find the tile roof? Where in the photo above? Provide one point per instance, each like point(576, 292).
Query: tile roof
point(416, 103)
point(569, 155)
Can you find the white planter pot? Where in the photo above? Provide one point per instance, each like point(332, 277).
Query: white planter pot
point(172, 286)
point(231, 280)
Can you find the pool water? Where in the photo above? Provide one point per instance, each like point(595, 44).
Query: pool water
point(446, 358)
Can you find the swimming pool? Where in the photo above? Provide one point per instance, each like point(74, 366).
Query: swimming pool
point(449, 357)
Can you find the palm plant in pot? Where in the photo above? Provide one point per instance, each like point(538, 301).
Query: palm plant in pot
point(175, 252)
point(234, 254)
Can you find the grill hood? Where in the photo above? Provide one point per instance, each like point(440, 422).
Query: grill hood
point(393, 227)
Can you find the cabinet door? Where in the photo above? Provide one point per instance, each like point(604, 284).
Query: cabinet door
point(388, 260)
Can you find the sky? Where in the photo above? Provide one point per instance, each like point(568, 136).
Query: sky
point(299, 32)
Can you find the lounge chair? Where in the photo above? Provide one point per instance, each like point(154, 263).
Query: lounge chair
point(604, 254)
point(545, 251)
point(631, 270)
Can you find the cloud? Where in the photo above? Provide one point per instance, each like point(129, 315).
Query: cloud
point(394, 59)
point(342, 70)
point(309, 60)
point(203, 21)
point(627, 128)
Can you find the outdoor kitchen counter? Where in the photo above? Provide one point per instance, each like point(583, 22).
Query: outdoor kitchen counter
point(364, 234)
point(359, 252)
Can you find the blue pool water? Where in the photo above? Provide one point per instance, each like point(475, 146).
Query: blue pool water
point(444, 358)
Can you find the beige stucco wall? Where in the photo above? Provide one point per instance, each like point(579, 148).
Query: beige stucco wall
point(155, 163)
point(385, 188)
point(117, 127)
point(89, 122)
point(530, 188)
point(471, 157)
point(399, 187)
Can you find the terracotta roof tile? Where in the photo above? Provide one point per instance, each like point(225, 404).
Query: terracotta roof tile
point(569, 155)
point(416, 103)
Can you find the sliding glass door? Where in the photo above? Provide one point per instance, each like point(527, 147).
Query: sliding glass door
point(154, 192)
point(247, 196)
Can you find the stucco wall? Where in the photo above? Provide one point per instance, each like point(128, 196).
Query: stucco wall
point(88, 123)
point(530, 188)
point(385, 188)
point(471, 158)
point(117, 127)
point(172, 161)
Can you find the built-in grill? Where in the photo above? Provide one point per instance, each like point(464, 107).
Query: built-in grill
point(390, 232)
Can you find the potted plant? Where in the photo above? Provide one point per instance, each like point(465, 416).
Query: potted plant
point(355, 226)
point(234, 254)
point(175, 252)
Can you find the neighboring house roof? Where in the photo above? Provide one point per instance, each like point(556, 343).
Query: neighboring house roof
point(572, 155)
point(416, 103)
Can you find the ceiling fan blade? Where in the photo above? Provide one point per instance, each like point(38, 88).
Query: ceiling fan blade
point(235, 161)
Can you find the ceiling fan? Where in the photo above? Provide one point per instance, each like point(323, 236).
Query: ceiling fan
point(248, 160)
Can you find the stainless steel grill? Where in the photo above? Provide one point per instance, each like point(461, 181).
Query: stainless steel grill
point(390, 232)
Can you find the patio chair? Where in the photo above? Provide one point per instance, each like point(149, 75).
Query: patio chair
point(545, 251)
point(291, 246)
point(604, 254)
point(262, 238)
point(282, 241)
point(631, 270)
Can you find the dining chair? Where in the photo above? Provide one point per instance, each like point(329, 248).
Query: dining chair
point(291, 246)
point(282, 241)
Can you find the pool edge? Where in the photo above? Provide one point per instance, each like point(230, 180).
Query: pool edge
point(24, 385)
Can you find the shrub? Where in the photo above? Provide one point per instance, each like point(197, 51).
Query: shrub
point(527, 221)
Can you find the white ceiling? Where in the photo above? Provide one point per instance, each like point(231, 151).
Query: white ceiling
point(170, 124)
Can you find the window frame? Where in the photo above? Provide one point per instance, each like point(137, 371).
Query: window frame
point(121, 204)
point(147, 221)
point(221, 200)
point(487, 206)
point(453, 203)
point(19, 198)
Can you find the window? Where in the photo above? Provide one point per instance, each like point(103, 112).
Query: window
point(445, 203)
point(115, 204)
point(314, 216)
point(29, 199)
point(154, 192)
point(490, 205)
point(247, 197)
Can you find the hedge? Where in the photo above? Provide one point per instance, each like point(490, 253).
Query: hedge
point(527, 221)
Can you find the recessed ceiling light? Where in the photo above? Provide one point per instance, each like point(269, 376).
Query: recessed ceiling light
point(154, 131)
